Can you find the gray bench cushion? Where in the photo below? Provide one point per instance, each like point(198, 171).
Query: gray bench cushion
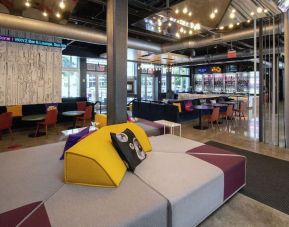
point(172, 144)
point(193, 187)
point(30, 175)
point(133, 203)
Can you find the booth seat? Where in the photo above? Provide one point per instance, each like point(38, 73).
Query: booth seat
point(32, 109)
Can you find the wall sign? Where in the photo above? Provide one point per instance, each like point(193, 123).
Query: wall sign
point(31, 41)
point(232, 54)
point(216, 69)
point(202, 70)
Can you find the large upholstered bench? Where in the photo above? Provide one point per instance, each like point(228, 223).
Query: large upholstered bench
point(180, 183)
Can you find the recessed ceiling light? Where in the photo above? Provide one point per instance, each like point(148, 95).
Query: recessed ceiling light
point(58, 15)
point(232, 15)
point(221, 27)
point(45, 14)
point(177, 11)
point(216, 11)
point(61, 4)
point(190, 14)
point(259, 10)
point(233, 11)
point(248, 21)
point(185, 10)
point(231, 25)
point(265, 10)
point(252, 13)
point(212, 15)
point(27, 4)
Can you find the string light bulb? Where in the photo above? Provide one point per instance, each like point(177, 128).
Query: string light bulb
point(185, 10)
point(45, 14)
point(212, 15)
point(58, 15)
point(177, 11)
point(61, 4)
point(259, 10)
point(221, 28)
point(27, 3)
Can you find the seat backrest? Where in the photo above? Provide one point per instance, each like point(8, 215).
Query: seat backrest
point(87, 114)
point(51, 117)
point(215, 114)
point(230, 111)
point(5, 120)
point(242, 107)
point(81, 106)
point(188, 105)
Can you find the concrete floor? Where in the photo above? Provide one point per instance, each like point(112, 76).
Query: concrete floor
point(239, 210)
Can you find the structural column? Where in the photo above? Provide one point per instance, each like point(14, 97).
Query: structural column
point(158, 89)
point(83, 72)
point(117, 13)
point(138, 81)
point(169, 80)
point(261, 78)
point(286, 77)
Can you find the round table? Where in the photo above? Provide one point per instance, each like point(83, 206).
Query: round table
point(35, 118)
point(74, 114)
point(200, 108)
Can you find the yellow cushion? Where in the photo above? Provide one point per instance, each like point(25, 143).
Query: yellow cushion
point(94, 161)
point(101, 119)
point(179, 105)
point(15, 110)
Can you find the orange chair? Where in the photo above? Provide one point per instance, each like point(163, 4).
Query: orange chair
point(50, 119)
point(86, 116)
point(241, 110)
point(81, 106)
point(229, 112)
point(214, 117)
point(6, 123)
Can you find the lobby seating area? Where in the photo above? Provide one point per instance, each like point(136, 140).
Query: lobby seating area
point(136, 113)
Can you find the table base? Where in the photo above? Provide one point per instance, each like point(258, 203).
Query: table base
point(38, 134)
point(201, 127)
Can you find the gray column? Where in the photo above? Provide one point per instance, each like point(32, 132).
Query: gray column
point(116, 19)
point(169, 80)
point(138, 81)
point(83, 71)
point(261, 78)
point(286, 78)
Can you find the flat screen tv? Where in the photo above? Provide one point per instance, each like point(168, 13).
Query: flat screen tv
point(283, 5)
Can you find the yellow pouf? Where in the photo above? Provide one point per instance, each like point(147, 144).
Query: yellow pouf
point(94, 161)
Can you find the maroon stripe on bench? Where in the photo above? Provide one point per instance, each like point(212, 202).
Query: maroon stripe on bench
point(15, 216)
point(37, 218)
point(234, 166)
point(153, 124)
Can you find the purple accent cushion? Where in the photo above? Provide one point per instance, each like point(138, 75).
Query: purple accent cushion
point(73, 139)
point(47, 105)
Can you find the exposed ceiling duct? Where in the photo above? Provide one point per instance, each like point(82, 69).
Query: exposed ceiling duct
point(69, 32)
point(96, 37)
point(218, 57)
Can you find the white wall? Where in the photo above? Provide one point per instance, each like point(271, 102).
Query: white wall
point(29, 74)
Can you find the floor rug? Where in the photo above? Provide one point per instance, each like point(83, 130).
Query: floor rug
point(267, 178)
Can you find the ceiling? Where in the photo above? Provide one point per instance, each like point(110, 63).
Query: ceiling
point(92, 14)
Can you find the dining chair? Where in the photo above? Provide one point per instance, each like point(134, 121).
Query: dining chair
point(213, 117)
point(6, 123)
point(81, 106)
point(86, 116)
point(229, 113)
point(50, 119)
point(240, 111)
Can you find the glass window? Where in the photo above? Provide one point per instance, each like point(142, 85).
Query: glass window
point(180, 84)
point(70, 84)
point(131, 69)
point(70, 76)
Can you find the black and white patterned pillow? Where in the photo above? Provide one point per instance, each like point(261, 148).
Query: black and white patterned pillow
point(129, 148)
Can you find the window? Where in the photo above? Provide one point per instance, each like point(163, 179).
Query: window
point(70, 76)
point(180, 84)
point(131, 70)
